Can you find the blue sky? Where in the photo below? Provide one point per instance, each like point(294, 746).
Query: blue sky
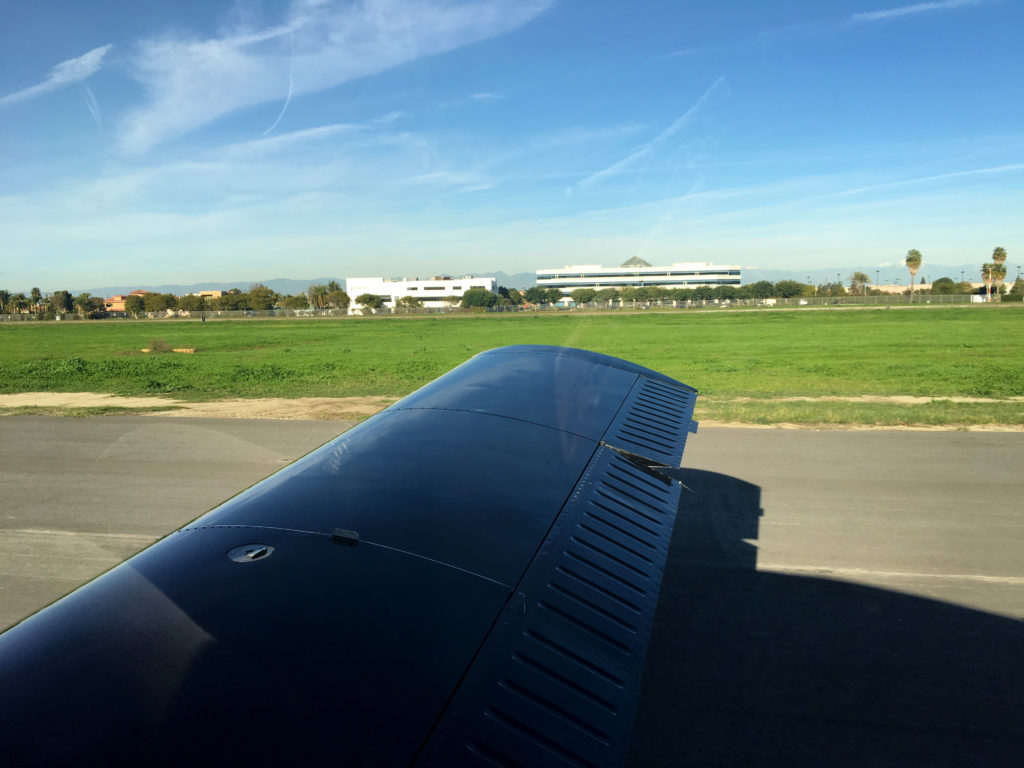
point(205, 141)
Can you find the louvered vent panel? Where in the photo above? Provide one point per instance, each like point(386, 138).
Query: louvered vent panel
point(654, 421)
point(555, 683)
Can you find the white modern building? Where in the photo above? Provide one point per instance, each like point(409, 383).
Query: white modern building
point(435, 293)
point(638, 273)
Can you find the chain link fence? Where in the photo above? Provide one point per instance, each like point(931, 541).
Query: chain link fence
point(764, 303)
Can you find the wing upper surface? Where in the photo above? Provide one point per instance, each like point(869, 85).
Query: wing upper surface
point(505, 543)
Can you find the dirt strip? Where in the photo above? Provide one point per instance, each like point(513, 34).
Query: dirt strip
point(896, 399)
point(356, 408)
point(300, 408)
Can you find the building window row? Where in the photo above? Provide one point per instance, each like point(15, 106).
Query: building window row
point(646, 283)
point(639, 275)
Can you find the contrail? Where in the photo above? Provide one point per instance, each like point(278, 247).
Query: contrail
point(904, 10)
point(291, 84)
point(671, 211)
point(937, 177)
point(93, 105)
point(287, 101)
point(654, 143)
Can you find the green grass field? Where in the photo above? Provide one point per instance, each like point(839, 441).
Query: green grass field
point(937, 352)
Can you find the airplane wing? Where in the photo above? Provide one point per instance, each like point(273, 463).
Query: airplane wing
point(468, 577)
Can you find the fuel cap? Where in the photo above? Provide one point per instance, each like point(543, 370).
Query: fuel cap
point(250, 553)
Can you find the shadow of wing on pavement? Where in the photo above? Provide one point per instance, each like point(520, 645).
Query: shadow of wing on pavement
point(772, 669)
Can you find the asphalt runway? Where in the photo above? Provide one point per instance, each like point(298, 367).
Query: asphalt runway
point(81, 495)
point(840, 598)
point(849, 598)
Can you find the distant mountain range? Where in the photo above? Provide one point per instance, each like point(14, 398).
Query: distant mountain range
point(885, 275)
point(283, 285)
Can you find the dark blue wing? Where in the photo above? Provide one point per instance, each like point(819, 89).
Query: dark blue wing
point(469, 575)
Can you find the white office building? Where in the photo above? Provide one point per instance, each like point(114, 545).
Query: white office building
point(638, 273)
point(436, 293)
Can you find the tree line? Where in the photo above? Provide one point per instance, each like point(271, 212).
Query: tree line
point(636, 295)
point(258, 297)
point(993, 275)
point(473, 298)
point(333, 296)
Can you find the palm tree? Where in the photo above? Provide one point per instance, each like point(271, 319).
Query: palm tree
point(999, 273)
point(859, 283)
point(913, 264)
point(317, 295)
point(986, 277)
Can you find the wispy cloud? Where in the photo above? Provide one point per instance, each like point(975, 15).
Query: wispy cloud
point(577, 135)
point(369, 132)
point(389, 118)
point(477, 97)
point(820, 27)
point(906, 10)
point(286, 140)
point(685, 52)
point(465, 181)
point(654, 144)
point(191, 82)
point(798, 31)
point(66, 73)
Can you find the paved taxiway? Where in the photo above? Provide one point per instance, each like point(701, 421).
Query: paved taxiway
point(831, 597)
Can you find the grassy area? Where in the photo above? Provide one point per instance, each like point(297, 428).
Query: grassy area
point(938, 352)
